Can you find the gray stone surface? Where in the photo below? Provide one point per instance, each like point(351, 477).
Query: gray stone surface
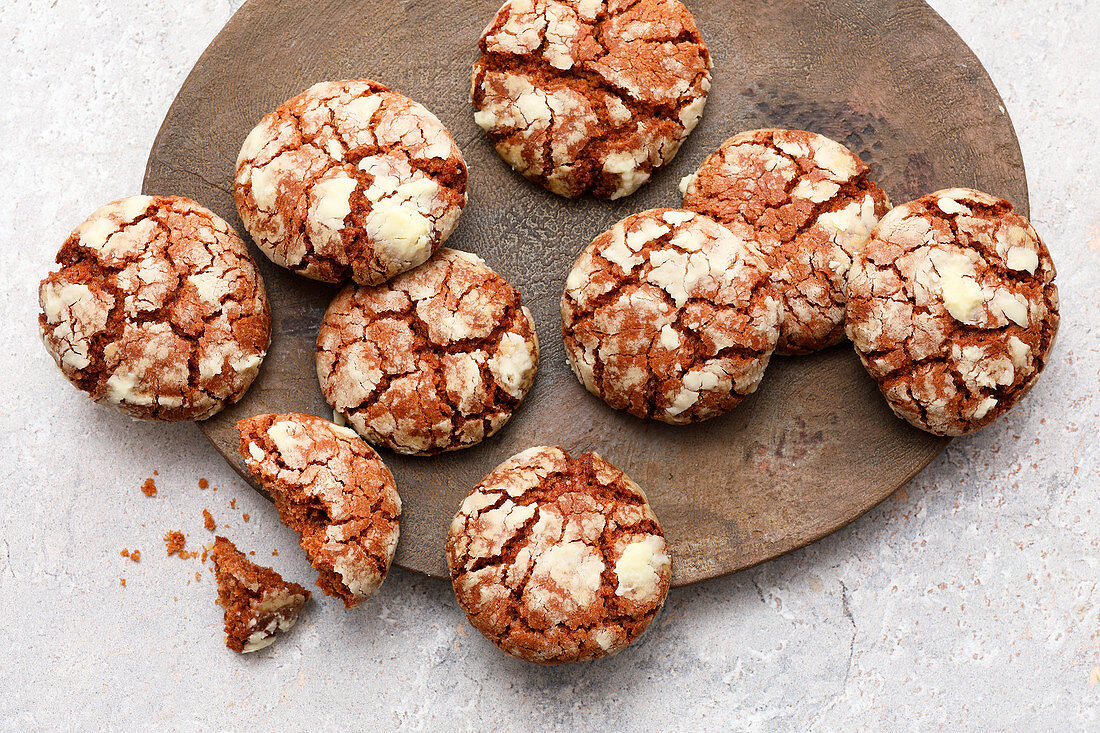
point(968, 600)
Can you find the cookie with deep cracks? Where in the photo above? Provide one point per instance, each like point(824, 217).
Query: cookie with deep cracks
point(557, 558)
point(435, 360)
point(334, 491)
point(350, 180)
point(810, 205)
point(157, 310)
point(953, 309)
point(670, 316)
point(590, 96)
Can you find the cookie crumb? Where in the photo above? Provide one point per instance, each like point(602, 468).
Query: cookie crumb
point(258, 602)
point(174, 541)
point(122, 581)
point(204, 484)
point(203, 558)
point(208, 520)
point(149, 488)
point(245, 516)
point(232, 503)
point(134, 555)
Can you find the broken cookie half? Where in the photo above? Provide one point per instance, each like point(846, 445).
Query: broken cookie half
point(258, 603)
point(331, 488)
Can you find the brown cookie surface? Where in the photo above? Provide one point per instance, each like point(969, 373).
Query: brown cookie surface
point(350, 180)
point(435, 360)
point(670, 316)
point(558, 559)
point(258, 603)
point(811, 207)
point(953, 309)
point(334, 491)
point(590, 96)
point(158, 310)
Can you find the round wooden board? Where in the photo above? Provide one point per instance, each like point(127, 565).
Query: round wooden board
point(816, 446)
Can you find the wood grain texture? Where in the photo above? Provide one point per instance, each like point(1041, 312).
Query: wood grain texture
point(816, 447)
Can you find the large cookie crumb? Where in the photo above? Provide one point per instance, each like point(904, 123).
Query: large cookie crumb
point(258, 603)
point(350, 180)
point(670, 316)
point(558, 559)
point(811, 208)
point(332, 489)
point(953, 309)
point(158, 310)
point(435, 360)
point(590, 96)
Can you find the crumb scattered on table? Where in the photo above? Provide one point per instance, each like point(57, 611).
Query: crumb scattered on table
point(134, 555)
point(149, 488)
point(208, 520)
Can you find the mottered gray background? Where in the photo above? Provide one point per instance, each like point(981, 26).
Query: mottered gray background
point(967, 600)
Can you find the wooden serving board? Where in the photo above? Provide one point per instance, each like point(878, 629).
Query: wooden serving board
point(816, 447)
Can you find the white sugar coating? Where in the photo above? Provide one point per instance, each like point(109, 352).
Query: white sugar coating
point(640, 566)
point(352, 180)
point(959, 289)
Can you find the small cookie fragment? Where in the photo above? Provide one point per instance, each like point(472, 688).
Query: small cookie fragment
point(590, 96)
point(953, 309)
point(332, 489)
point(558, 559)
point(670, 316)
point(811, 208)
point(435, 360)
point(258, 603)
point(350, 180)
point(158, 310)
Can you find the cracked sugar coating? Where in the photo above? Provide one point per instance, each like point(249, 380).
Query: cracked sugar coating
point(558, 559)
point(334, 491)
point(670, 316)
point(258, 603)
point(435, 360)
point(811, 207)
point(350, 180)
point(158, 310)
point(584, 96)
point(953, 309)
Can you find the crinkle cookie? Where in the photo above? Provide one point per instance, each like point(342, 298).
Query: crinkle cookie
point(558, 559)
point(158, 310)
point(258, 603)
point(590, 96)
point(334, 491)
point(350, 180)
point(435, 360)
point(811, 206)
point(953, 309)
point(670, 316)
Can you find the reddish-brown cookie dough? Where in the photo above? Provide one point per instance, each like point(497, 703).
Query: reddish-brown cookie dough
point(953, 309)
point(435, 360)
point(590, 96)
point(350, 180)
point(334, 491)
point(158, 310)
point(258, 603)
point(811, 208)
point(558, 559)
point(670, 316)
